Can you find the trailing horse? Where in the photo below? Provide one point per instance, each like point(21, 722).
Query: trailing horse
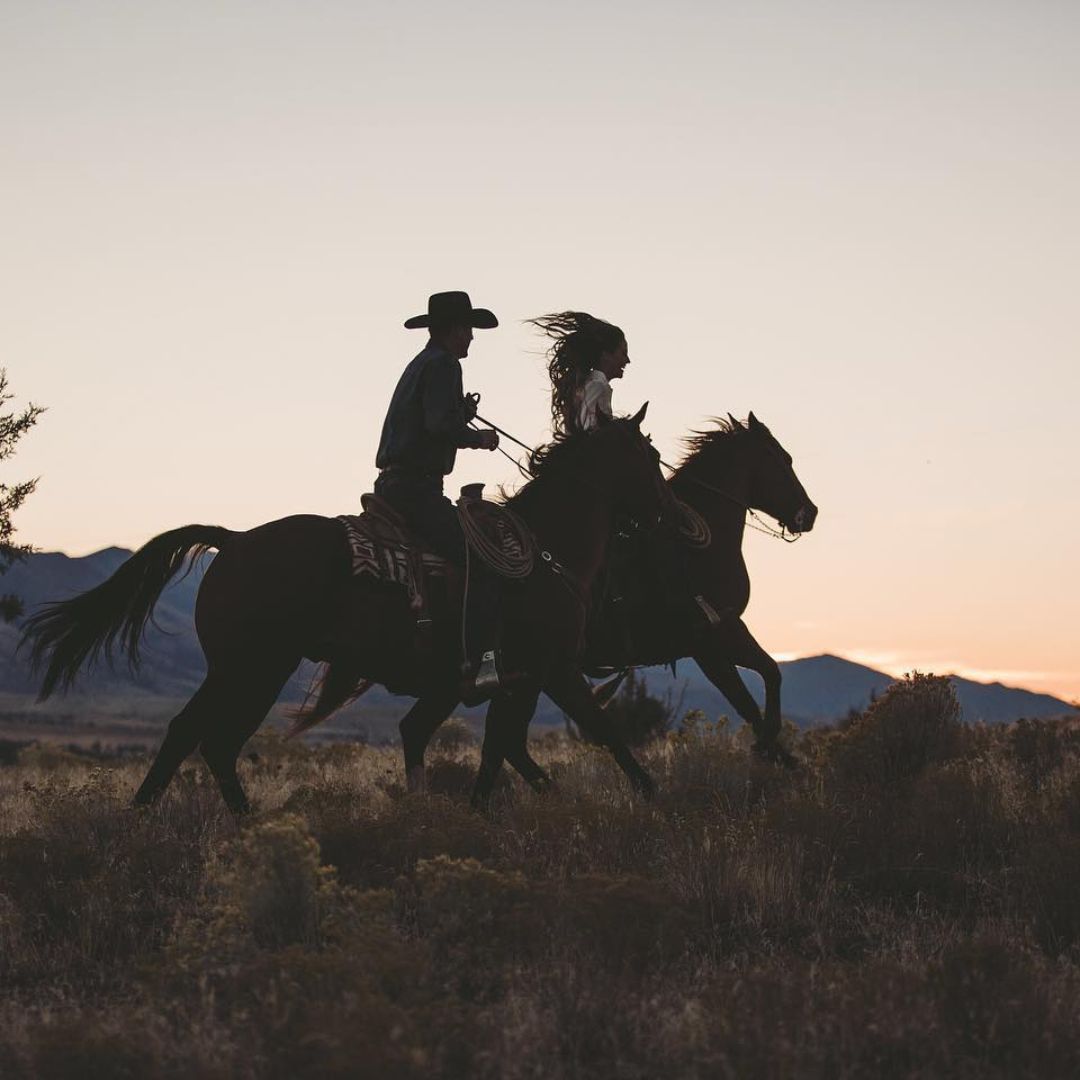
point(284, 591)
point(728, 471)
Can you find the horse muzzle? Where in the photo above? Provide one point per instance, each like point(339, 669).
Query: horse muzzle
point(804, 519)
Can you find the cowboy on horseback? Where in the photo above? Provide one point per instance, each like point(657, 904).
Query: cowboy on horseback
point(426, 424)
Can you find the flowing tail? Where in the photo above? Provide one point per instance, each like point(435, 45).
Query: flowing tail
point(65, 636)
point(336, 686)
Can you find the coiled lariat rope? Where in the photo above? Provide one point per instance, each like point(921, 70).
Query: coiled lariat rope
point(693, 529)
point(499, 537)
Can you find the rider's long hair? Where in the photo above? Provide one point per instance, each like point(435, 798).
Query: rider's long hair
point(577, 342)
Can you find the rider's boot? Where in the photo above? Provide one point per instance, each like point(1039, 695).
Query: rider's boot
point(481, 668)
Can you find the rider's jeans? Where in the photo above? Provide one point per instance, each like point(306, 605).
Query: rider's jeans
point(419, 498)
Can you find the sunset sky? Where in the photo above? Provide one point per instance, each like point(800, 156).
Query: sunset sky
point(860, 220)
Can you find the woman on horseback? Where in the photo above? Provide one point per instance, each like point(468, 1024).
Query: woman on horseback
point(586, 354)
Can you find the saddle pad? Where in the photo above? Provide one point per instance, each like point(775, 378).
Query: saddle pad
point(385, 557)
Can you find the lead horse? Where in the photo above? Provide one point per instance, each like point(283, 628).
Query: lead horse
point(728, 471)
point(284, 591)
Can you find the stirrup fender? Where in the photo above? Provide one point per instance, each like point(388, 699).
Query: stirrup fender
point(379, 507)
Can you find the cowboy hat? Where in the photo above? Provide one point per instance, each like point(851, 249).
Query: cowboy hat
point(453, 308)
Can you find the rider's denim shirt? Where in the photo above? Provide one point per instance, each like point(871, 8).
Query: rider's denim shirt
point(428, 419)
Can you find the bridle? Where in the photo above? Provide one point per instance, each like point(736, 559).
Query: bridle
point(754, 520)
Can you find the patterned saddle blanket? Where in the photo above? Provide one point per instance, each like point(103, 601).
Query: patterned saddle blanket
point(383, 547)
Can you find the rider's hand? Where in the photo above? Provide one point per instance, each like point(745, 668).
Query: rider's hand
point(472, 403)
point(489, 440)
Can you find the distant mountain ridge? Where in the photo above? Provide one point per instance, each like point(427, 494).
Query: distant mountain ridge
point(820, 689)
point(817, 689)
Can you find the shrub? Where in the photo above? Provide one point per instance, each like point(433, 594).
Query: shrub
point(453, 737)
point(914, 723)
point(266, 890)
point(638, 716)
point(1042, 747)
point(903, 905)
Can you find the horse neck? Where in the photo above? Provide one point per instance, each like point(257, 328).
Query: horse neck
point(574, 522)
point(718, 491)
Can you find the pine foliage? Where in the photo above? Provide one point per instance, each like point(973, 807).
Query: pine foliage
point(13, 426)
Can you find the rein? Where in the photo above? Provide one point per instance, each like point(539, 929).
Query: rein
point(523, 469)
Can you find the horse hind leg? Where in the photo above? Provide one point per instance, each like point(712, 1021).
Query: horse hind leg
point(570, 690)
point(219, 719)
point(246, 695)
point(185, 731)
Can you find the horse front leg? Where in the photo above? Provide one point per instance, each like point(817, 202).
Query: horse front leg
point(514, 722)
point(570, 690)
point(417, 727)
point(715, 661)
point(740, 647)
point(501, 717)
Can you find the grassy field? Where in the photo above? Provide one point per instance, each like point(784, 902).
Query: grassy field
point(906, 904)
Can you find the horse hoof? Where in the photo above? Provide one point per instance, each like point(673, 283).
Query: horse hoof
point(543, 785)
point(645, 786)
point(775, 754)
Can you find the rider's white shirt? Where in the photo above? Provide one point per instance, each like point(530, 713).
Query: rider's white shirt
point(591, 397)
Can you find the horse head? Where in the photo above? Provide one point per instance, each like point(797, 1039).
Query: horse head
point(773, 485)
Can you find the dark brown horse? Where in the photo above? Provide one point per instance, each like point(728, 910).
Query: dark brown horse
point(728, 471)
point(284, 591)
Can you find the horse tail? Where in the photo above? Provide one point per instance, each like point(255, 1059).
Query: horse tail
point(336, 686)
point(66, 635)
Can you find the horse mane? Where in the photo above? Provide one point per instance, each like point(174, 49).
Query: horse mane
point(699, 443)
point(566, 451)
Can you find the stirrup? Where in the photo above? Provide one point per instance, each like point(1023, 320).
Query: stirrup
point(711, 617)
point(487, 675)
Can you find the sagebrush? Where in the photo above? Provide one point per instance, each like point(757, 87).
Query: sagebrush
point(902, 905)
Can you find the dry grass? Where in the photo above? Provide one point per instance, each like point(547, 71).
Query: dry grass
point(905, 905)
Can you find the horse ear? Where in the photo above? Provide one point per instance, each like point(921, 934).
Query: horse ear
point(754, 421)
point(734, 423)
point(640, 415)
